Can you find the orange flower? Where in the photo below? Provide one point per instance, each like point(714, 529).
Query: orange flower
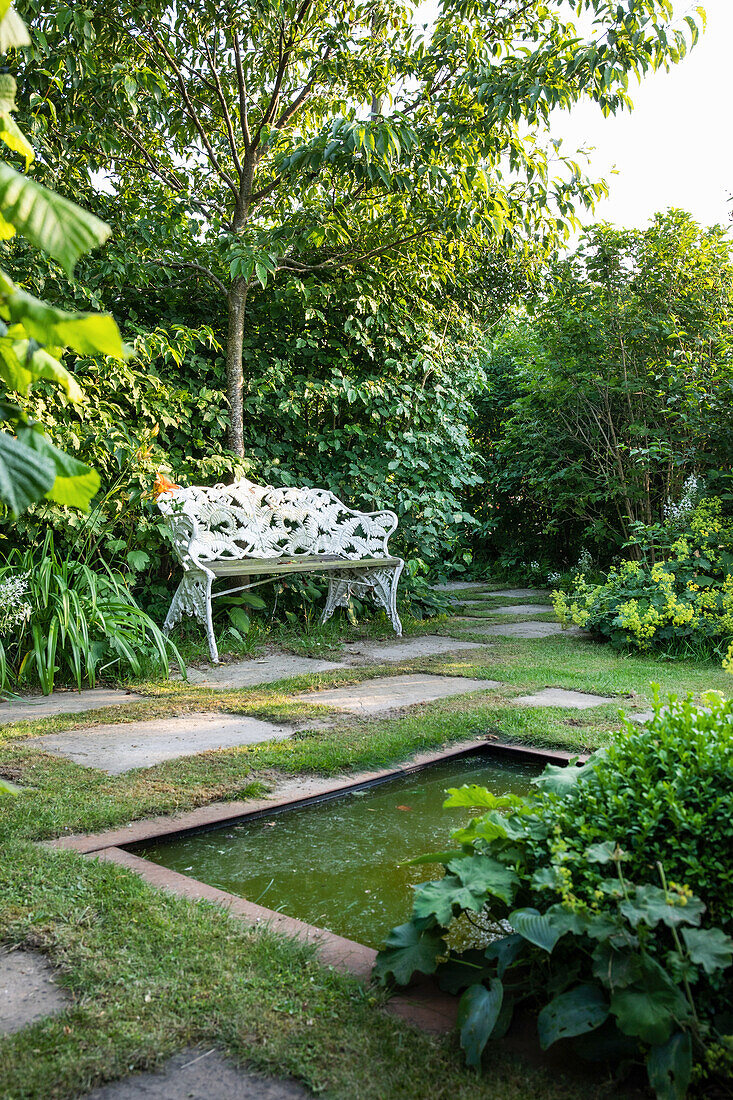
point(163, 485)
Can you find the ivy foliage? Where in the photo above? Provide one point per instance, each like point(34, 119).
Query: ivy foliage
point(604, 904)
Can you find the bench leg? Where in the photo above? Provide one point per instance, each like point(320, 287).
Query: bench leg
point(384, 582)
point(338, 596)
point(193, 597)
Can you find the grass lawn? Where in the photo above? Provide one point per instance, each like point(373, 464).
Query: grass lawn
point(150, 973)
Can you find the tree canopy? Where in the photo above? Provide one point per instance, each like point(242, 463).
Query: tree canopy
point(301, 137)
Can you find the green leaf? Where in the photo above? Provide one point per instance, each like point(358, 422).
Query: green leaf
point(252, 600)
point(473, 796)
point(13, 31)
point(87, 333)
point(43, 365)
point(601, 853)
point(138, 559)
point(576, 1012)
point(535, 927)
point(47, 220)
point(74, 483)
point(709, 948)
point(670, 1067)
point(442, 896)
point(25, 476)
point(651, 905)
point(561, 778)
point(240, 619)
point(481, 874)
point(14, 138)
point(407, 951)
point(616, 968)
point(649, 1009)
point(478, 1011)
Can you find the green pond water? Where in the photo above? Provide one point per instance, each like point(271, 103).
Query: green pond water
point(337, 863)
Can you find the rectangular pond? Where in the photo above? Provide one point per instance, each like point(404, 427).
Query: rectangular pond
point(337, 863)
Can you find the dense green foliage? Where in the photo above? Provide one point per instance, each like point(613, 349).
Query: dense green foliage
point(609, 393)
point(294, 137)
point(616, 883)
point(34, 334)
point(71, 620)
point(678, 597)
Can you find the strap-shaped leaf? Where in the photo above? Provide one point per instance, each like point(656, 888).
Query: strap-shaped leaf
point(47, 220)
point(87, 333)
point(25, 476)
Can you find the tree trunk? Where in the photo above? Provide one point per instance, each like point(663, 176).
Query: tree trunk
point(237, 300)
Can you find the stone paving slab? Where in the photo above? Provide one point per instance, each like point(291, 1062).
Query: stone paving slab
point(457, 586)
point(391, 692)
point(28, 990)
point(31, 707)
point(259, 670)
point(520, 609)
point(428, 646)
point(119, 748)
point(512, 630)
point(199, 1075)
point(559, 697)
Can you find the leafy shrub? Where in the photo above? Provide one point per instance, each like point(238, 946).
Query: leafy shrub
point(599, 901)
point(608, 392)
point(682, 603)
point(72, 621)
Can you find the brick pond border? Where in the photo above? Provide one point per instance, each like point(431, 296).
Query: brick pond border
point(423, 1005)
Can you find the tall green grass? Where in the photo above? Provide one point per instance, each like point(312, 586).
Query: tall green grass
point(84, 624)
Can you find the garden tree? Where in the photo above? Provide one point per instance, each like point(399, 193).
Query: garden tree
point(621, 378)
point(306, 136)
point(33, 333)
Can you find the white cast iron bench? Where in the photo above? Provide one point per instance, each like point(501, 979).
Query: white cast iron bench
point(244, 530)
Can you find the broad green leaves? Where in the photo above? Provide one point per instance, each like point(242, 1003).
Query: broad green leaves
point(30, 466)
point(47, 220)
point(409, 950)
point(478, 1013)
point(86, 333)
point(573, 1013)
point(25, 476)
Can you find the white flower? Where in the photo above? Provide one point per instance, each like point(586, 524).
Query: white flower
point(14, 608)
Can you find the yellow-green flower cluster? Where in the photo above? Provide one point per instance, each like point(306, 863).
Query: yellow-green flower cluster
point(688, 594)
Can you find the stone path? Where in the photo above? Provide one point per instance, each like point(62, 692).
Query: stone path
point(259, 670)
point(64, 702)
point(282, 666)
point(393, 692)
point(430, 645)
point(199, 1075)
point(515, 609)
point(559, 697)
point(119, 748)
point(512, 630)
point(28, 990)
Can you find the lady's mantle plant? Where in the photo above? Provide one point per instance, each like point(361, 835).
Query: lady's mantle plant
point(606, 891)
point(683, 601)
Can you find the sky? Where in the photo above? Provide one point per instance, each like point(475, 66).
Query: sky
point(676, 147)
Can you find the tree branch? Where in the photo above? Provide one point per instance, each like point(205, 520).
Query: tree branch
point(192, 113)
point(180, 265)
point(225, 111)
point(242, 86)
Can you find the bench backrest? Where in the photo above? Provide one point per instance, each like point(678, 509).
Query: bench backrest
point(246, 520)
